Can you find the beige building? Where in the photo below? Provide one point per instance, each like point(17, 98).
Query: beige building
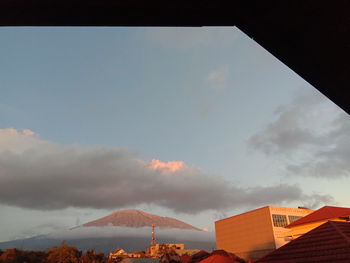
point(256, 233)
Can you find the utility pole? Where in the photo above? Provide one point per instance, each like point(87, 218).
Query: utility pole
point(153, 242)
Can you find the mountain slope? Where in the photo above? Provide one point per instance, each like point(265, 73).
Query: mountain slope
point(137, 218)
point(127, 229)
point(109, 243)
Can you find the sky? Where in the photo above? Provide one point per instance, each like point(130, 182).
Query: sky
point(193, 123)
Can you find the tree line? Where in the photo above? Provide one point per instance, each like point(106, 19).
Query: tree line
point(59, 254)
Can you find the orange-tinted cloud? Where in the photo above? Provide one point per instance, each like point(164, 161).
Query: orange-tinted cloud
point(172, 166)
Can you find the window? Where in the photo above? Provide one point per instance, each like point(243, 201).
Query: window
point(279, 220)
point(293, 218)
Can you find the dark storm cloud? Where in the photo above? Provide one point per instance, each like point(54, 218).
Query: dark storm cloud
point(43, 175)
point(294, 133)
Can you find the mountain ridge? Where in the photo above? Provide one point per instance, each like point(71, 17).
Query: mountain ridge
point(130, 232)
point(137, 218)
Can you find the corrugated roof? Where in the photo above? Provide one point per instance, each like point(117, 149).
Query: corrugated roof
point(326, 212)
point(329, 242)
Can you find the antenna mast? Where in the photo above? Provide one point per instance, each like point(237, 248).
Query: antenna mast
point(153, 242)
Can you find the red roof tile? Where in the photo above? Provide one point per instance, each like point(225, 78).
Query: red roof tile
point(218, 259)
point(329, 242)
point(222, 256)
point(200, 255)
point(185, 258)
point(326, 212)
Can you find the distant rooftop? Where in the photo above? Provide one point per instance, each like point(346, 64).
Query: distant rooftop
point(324, 213)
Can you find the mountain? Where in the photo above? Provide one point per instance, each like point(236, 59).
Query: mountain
point(127, 229)
point(137, 218)
point(106, 244)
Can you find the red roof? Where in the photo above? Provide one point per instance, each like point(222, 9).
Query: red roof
point(221, 256)
point(185, 258)
point(217, 259)
point(330, 242)
point(200, 255)
point(326, 212)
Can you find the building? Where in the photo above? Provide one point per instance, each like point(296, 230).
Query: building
point(329, 242)
point(258, 232)
point(117, 253)
point(137, 254)
point(157, 250)
point(315, 219)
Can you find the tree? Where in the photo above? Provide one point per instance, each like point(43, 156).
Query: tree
point(14, 255)
point(63, 254)
point(91, 256)
point(35, 256)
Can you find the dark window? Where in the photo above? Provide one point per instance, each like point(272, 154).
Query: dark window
point(293, 218)
point(279, 220)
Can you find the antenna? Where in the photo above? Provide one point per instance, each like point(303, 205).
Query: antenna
point(153, 242)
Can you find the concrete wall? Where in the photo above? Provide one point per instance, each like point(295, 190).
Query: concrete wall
point(245, 233)
point(253, 234)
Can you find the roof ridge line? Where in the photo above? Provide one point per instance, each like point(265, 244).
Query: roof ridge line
point(339, 231)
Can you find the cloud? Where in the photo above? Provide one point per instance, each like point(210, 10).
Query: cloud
point(167, 167)
point(117, 231)
point(218, 78)
point(283, 135)
point(312, 134)
point(333, 159)
point(43, 175)
point(316, 200)
point(41, 229)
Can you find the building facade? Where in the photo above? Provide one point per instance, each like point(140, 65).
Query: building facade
point(258, 232)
